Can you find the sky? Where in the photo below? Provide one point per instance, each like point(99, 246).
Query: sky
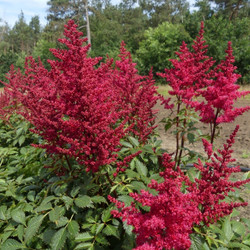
point(11, 9)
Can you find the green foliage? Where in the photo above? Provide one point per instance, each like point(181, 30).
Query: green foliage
point(40, 210)
point(159, 45)
point(41, 50)
point(228, 233)
point(6, 60)
point(218, 30)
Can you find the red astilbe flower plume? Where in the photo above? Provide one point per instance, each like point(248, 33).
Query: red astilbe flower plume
point(214, 185)
point(220, 96)
point(172, 213)
point(191, 71)
point(138, 94)
point(73, 106)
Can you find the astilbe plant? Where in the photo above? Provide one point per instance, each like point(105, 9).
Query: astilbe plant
point(181, 204)
point(219, 97)
point(76, 107)
point(196, 84)
point(172, 213)
point(138, 94)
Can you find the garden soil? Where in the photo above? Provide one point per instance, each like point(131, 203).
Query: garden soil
point(241, 146)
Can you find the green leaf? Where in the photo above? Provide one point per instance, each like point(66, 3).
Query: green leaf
point(18, 216)
point(58, 239)
point(62, 221)
point(33, 226)
point(20, 232)
point(126, 144)
point(191, 137)
point(238, 228)
point(83, 237)
point(126, 199)
point(128, 228)
point(141, 168)
point(56, 213)
point(48, 235)
point(134, 141)
point(99, 199)
point(102, 240)
point(83, 246)
point(237, 245)
point(196, 242)
point(12, 244)
point(137, 185)
point(68, 201)
point(73, 228)
point(43, 207)
point(227, 229)
point(111, 230)
point(99, 228)
point(106, 215)
point(31, 195)
point(168, 125)
point(3, 212)
point(21, 140)
point(83, 201)
point(75, 190)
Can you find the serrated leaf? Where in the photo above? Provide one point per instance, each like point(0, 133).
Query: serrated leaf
point(43, 207)
point(128, 228)
point(246, 176)
point(73, 228)
point(111, 230)
point(33, 226)
point(106, 215)
point(126, 144)
point(238, 245)
point(126, 199)
point(137, 185)
point(58, 239)
point(20, 232)
point(18, 216)
point(48, 235)
point(62, 221)
point(6, 235)
point(48, 199)
point(227, 229)
point(102, 240)
point(56, 213)
point(12, 244)
point(83, 246)
point(238, 227)
point(99, 199)
point(83, 201)
point(99, 228)
point(196, 242)
point(3, 212)
point(68, 201)
point(31, 195)
point(134, 141)
point(75, 190)
point(83, 237)
point(141, 168)
point(21, 140)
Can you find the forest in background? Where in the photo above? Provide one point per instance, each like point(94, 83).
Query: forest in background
point(151, 29)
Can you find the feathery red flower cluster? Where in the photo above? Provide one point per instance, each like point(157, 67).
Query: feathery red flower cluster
point(76, 106)
point(173, 212)
point(193, 76)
